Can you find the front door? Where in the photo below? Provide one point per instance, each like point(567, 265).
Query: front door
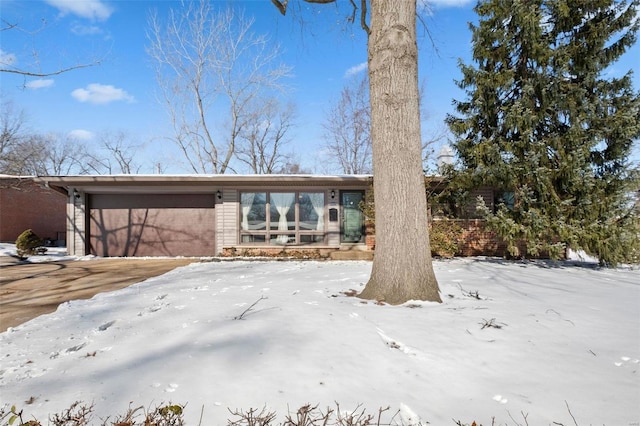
point(352, 229)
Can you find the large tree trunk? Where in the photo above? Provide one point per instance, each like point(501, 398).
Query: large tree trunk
point(402, 268)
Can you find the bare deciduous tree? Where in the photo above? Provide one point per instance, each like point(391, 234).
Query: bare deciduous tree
point(402, 267)
point(116, 155)
point(12, 134)
point(262, 139)
point(348, 129)
point(23, 152)
point(210, 64)
point(293, 167)
point(50, 155)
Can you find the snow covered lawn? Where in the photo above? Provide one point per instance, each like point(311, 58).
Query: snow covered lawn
point(512, 339)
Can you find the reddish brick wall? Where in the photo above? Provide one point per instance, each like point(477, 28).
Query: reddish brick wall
point(26, 205)
point(475, 240)
point(478, 241)
point(370, 236)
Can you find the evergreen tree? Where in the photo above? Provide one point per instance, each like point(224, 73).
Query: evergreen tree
point(546, 126)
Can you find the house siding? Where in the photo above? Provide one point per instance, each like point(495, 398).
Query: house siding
point(227, 217)
point(333, 228)
point(77, 225)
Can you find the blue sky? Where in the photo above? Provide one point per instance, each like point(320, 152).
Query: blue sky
point(119, 94)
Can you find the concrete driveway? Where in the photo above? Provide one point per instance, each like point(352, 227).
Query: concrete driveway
point(28, 290)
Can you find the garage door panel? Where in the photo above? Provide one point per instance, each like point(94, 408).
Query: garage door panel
point(152, 225)
point(148, 201)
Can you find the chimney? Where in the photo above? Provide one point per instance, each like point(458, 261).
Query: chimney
point(444, 158)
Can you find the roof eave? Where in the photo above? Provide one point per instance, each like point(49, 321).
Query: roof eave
point(196, 183)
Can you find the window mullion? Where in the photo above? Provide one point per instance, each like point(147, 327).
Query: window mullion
point(267, 206)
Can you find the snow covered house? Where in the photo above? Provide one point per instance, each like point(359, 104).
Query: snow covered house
point(208, 215)
point(211, 215)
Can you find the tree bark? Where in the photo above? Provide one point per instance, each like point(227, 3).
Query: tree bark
point(402, 267)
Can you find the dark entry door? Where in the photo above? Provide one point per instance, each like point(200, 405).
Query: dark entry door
point(352, 229)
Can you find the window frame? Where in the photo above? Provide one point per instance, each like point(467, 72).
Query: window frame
point(268, 236)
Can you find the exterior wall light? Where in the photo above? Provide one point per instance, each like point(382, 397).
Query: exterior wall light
point(219, 195)
point(333, 194)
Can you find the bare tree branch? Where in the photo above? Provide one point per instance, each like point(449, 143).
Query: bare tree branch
point(282, 6)
point(347, 129)
point(8, 26)
point(50, 155)
point(48, 74)
point(116, 155)
point(6, 68)
point(211, 65)
point(363, 15)
point(262, 140)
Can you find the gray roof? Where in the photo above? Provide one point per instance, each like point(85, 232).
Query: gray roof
point(96, 184)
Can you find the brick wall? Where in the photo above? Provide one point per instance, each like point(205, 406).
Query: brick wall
point(478, 241)
point(26, 205)
point(475, 240)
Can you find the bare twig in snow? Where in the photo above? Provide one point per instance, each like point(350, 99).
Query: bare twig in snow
point(570, 413)
point(241, 316)
point(524, 416)
point(472, 294)
point(491, 324)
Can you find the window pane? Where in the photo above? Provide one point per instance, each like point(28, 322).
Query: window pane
point(311, 211)
point(253, 238)
point(283, 239)
point(253, 211)
point(282, 211)
point(310, 239)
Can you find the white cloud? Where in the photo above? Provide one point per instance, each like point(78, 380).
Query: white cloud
point(428, 7)
point(7, 58)
point(357, 69)
point(39, 84)
point(81, 135)
point(96, 93)
point(91, 9)
point(444, 3)
point(79, 29)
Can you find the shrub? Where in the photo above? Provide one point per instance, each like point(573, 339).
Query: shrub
point(444, 237)
point(80, 414)
point(27, 244)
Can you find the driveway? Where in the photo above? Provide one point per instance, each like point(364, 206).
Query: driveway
point(28, 290)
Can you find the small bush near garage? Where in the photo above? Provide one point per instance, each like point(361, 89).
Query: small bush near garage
point(28, 244)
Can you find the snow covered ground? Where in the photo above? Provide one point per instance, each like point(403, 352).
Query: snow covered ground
point(52, 254)
point(511, 339)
